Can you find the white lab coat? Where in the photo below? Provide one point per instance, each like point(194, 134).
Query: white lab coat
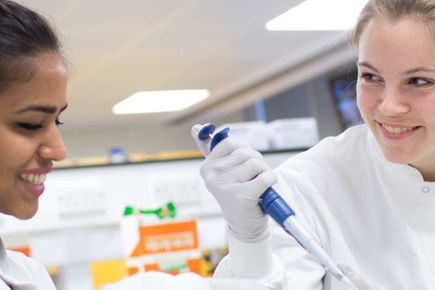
point(153, 280)
point(376, 216)
point(22, 272)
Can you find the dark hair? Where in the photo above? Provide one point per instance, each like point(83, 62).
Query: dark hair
point(24, 34)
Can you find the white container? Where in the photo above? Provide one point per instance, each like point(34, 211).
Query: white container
point(252, 134)
point(292, 133)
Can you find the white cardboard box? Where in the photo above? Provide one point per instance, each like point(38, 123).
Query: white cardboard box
point(292, 133)
point(252, 134)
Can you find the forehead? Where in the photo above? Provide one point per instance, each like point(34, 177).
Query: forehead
point(405, 40)
point(47, 83)
point(48, 65)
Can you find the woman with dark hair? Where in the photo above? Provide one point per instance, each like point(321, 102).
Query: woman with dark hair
point(33, 82)
point(33, 92)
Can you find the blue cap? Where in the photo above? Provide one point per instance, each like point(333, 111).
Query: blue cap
point(218, 137)
point(273, 204)
point(205, 131)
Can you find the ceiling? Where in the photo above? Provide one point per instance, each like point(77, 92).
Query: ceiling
point(117, 48)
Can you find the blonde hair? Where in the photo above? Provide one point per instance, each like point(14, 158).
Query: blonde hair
point(393, 10)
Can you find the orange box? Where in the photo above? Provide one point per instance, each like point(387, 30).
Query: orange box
point(167, 237)
point(157, 241)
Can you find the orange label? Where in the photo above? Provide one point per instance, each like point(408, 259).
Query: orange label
point(166, 237)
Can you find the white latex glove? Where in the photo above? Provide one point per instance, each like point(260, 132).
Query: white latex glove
point(360, 282)
point(153, 280)
point(237, 176)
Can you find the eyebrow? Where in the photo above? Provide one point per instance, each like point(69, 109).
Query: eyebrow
point(42, 108)
point(419, 69)
point(411, 71)
point(366, 64)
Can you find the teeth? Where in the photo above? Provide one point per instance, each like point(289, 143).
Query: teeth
point(396, 130)
point(36, 179)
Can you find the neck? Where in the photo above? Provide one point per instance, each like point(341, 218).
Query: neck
point(428, 172)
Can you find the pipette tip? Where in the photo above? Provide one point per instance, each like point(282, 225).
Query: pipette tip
point(346, 281)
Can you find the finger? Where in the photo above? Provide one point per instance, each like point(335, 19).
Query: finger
point(203, 145)
point(237, 157)
point(246, 171)
point(257, 186)
point(224, 148)
point(241, 165)
point(245, 153)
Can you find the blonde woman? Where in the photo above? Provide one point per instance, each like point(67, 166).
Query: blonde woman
point(368, 194)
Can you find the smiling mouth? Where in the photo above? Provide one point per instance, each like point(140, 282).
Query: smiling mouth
point(35, 179)
point(397, 130)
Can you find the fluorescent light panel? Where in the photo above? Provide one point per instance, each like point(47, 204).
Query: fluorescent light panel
point(318, 15)
point(159, 101)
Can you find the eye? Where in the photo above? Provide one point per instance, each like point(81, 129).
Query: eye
point(36, 126)
point(369, 77)
point(418, 81)
point(29, 126)
point(58, 122)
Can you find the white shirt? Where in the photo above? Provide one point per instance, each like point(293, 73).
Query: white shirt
point(20, 272)
point(376, 216)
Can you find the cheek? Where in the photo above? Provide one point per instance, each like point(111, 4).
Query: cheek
point(8, 173)
point(361, 100)
point(366, 101)
point(16, 152)
point(10, 159)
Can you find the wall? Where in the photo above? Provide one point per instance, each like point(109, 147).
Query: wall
point(135, 138)
point(310, 99)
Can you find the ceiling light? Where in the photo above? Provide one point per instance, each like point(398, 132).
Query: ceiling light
point(159, 101)
point(318, 15)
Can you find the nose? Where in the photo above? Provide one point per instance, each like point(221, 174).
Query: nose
point(53, 148)
point(394, 103)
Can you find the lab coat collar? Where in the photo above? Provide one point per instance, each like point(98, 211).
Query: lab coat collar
point(7, 279)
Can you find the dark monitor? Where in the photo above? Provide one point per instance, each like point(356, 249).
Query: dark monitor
point(343, 90)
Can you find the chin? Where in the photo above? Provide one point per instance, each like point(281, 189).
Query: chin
point(25, 214)
point(396, 157)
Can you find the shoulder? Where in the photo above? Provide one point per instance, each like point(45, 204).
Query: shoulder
point(350, 139)
point(349, 146)
point(19, 260)
point(23, 268)
point(334, 164)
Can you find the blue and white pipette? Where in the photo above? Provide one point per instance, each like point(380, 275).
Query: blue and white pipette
point(273, 204)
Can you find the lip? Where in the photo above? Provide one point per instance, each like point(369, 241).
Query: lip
point(39, 170)
point(35, 190)
point(393, 136)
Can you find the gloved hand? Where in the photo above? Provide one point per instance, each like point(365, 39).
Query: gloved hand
point(360, 282)
point(158, 280)
point(237, 176)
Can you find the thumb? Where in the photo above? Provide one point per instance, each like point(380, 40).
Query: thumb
point(203, 145)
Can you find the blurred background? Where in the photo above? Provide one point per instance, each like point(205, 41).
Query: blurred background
point(117, 48)
point(280, 90)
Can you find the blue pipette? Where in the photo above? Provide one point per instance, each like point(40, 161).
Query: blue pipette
point(273, 204)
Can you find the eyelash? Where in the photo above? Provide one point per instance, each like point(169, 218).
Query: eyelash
point(413, 81)
point(369, 77)
point(34, 127)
